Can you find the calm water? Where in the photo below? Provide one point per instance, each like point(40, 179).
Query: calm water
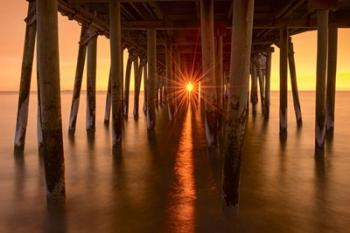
point(170, 184)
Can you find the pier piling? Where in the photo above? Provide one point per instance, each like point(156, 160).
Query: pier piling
point(208, 70)
point(236, 118)
point(331, 78)
point(127, 85)
point(152, 78)
point(116, 74)
point(49, 83)
point(283, 80)
point(294, 84)
point(91, 85)
point(77, 81)
point(26, 76)
point(321, 75)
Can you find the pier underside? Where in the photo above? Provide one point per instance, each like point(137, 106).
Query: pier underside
point(213, 53)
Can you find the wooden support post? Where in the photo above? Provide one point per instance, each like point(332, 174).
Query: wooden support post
point(152, 76)
point(176, 78)
point(294, 84)
point(267, 85)
point(49, 83)
point(26, 76)
point(77, 82)
point(261, 80)
point(145, 88)
point(161, 78)
point(331, 78)
point(138, 79)
point(219, 68)
point(166, 74)
point(283, 79)
point(321, 75)
point(108, 101)
point(254, 88)
point(236, 118)
point(127, 85)
point(156, 94)
point(116, 74)
point(162, 88)
point(169, 78)
point(208, 70)
point(39, 122)
point(91, 85)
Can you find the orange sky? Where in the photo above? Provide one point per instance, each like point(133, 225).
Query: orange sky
point(12, 28)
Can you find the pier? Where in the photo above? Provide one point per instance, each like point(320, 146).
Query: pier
point(223, 47)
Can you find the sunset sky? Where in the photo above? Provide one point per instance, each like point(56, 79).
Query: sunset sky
point(12, 28)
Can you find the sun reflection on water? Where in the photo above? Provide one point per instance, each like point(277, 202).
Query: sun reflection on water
point(182, 207)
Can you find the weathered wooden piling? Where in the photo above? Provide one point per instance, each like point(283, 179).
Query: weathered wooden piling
point(267, 84)
point(219, 65)
point(283, 79)
point(127, 84)
point(208, 69)
point(156, 94)
point(138, 79)
point(321, 75)
point(91, 85)
point(152, 77)
point(39, 125)
point(145, 88)
point(77, 81)
point(108, 101)
point(236, 118)
point(169, 78)
point(26, 76)
point(49, 83)
point(294, 84)
point(331, 78)
point(253, 88)
point(116, 73)
point(261, 81)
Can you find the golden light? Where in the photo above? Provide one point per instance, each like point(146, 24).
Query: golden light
point(189, 87)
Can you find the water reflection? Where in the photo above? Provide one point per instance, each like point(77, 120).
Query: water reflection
point(170, 184)
point(56, 216)
point(181, 208)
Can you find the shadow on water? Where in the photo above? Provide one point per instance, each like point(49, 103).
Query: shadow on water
point(56, 221)
point(320, 192)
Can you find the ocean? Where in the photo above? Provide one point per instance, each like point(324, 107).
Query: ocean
point(170, 183)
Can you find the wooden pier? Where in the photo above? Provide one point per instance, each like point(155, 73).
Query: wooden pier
point(227, 42)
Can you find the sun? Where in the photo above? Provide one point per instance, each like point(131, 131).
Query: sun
point(189, 87)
